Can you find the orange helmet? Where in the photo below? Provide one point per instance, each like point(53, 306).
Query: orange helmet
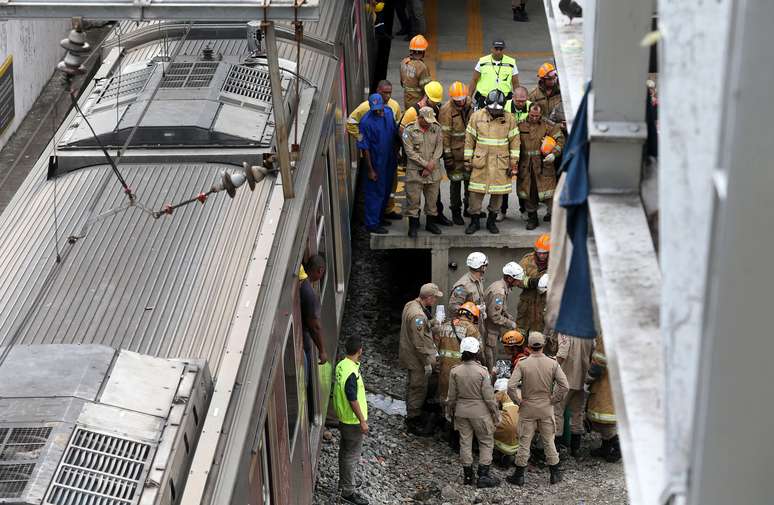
point(548, 145)
point(543, 243)
point(545, 69)
point(418, 43)
point(470, 309)
point(458, 90)
point(513, 338)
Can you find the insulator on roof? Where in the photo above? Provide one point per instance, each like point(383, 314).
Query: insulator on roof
point(76, 46)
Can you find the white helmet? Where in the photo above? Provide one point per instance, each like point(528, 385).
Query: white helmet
point(514, 270)
point(476, 260)
point(542, 286)
point(469, 344)
point(501, 385)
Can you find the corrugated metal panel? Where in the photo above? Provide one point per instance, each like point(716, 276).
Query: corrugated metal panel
point(164, 287)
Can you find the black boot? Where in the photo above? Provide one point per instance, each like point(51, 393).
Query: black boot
point(457, 217)
point(465, 213)
point(474, 225)
point(559, 442)
point(485, 479)
point(556, 474)
point(571, 9)
point(575, 441)
point(520, 14)
point(547, 218)
point(532, 220)
point(517, 477)
point(614, 454)
point(470, 476)
point(413, 227)
point(491, 225)
point(431, 226)
point(418, 426)
point(442, 220)
point(602, 451)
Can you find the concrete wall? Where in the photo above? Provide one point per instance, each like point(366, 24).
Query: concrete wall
point(34, 45)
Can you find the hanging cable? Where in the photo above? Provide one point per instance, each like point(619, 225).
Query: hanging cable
point(299, 32)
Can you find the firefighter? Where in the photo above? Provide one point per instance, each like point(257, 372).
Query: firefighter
point(532, 303)
point(541, 143)
point(423, 144)
point(495, 71)
point(384, 88)
point(519, 107)
point(416, 354)
point(498, 319)
point(414, 74)
point(471, 399)
point(599, 410)
point(515, 346)
point(492, 157)
point(453, 117)
point(506, 435)
point(543, 385)
point(547, 92)
point(470, 287)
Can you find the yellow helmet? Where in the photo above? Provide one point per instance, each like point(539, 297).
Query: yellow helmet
point(434, 91)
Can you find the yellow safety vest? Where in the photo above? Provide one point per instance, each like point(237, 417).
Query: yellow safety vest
point(344, 412)
point(520, 116)
point(495, 75)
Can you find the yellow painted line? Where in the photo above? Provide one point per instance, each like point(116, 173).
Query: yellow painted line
point(475, 35)
point(470, 55)
point(7, 63)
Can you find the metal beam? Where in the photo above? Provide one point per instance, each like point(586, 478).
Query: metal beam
point(278, 109)
point(619, 67)
point(201, 10)
point(731, 460)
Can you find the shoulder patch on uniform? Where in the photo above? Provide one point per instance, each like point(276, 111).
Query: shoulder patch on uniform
point(419, 322)
point(459, 290)
point(498, 300)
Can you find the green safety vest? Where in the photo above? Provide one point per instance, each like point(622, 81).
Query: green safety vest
point(344, 412)
point(495, 76)
point(520, 116)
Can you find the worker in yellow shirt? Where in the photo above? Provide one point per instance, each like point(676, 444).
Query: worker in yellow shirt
point(432, 97)
point(384, 88)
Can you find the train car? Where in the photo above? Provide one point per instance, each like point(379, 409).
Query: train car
point(152, 353)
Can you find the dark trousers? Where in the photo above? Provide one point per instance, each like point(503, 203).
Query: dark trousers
point(349, 454)
point(504, 206)
point(400, 12)
point(383, 46)
point(459, 195)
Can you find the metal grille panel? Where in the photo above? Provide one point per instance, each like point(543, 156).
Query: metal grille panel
point(20, 449)
point(100, 469)
point(14, 478)
point(189, 75)
point(131, 83)
point(248, 82)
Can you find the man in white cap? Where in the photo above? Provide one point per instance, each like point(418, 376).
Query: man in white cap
point(498, 319)
point(471, 399)
point(543, 385)
point(423, 144)
point(470, 287)
point(417, 354)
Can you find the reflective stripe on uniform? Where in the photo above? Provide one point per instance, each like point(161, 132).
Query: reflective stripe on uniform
point(532, 153)
point(507, 449)
point(515, 153)
point(500, 188)
point(508, 404)
point(471, 130)
point(444, 353)
point(513, 133)
point(545, 195)
point(492, 142)
point(446, 128)
point(458, 134)
point(599, 417)
point(468, 153)
point(599, 358)
point(474, 186)
point(406, 88)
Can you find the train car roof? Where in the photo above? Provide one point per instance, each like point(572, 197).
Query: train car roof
point(166, 287)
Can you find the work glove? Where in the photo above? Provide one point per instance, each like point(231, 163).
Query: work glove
point(468, 166)
point(428, 370)
point(550, 158)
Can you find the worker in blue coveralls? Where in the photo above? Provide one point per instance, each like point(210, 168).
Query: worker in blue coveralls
point(379, 142)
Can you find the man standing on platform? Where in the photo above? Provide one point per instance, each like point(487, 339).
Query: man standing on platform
point(492, 157)
point(379, 143)
point(414, 74)
point(541, 143)
point(543, 385)
point(498, 319)
point(530, 313)
point(423, 144)
point(494, 71)
point(547, 92)
point(519, 107)
point(349, 402)
point(417, 354)
point(454, 117)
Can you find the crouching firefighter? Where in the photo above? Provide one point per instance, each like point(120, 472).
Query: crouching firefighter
point(471, 398)
point(506, 435)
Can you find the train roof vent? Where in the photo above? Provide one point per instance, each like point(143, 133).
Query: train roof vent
point(20, 450)
point(125, 85)
point(189, 74)
point(248, 82)
point(100, 469)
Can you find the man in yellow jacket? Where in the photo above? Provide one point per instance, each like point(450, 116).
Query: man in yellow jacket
point(349, 402)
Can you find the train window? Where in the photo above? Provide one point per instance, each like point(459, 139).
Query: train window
point(333, 198)
point(266, 469)
point(291, 385)
point(322, 248)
